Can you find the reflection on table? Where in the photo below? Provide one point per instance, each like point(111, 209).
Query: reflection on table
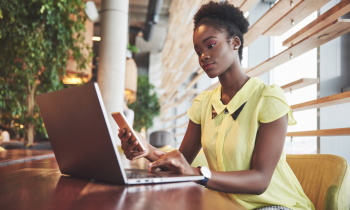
point(40, 185)
point(14, 156)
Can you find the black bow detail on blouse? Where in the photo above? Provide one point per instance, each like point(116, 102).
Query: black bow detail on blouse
point(234, 115)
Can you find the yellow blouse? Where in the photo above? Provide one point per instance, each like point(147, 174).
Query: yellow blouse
point(228, 144)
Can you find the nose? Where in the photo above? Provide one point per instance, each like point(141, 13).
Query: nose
point(205, 57)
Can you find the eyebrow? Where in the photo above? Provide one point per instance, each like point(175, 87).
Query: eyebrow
point(206, 39)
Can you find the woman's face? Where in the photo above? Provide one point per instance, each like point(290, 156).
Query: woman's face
point(215, 54)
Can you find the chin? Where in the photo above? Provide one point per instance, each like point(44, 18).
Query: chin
point(212, 76)
point(212, 73)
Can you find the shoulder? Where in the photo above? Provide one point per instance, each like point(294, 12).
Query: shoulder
point(204, 95)
point(274, 105)
point(195, 111)
point(274, 91)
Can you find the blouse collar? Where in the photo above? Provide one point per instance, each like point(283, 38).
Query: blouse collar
point(237, 101)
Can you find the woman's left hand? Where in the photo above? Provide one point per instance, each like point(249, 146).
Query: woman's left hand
point(175, 161)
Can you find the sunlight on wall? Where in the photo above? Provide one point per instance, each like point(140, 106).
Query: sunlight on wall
point(304, 66)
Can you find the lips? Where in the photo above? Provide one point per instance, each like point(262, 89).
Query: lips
point(207, 66)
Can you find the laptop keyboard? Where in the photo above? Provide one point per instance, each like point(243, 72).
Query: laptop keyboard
point(137, 175)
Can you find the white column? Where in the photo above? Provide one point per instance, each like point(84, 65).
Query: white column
point(111, 71)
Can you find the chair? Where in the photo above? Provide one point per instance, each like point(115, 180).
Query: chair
point(41, 146)
point(324, 178)
point(12, 145)
point(161, 138)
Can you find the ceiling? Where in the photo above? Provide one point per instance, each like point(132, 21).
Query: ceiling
point(138, 12)
point(137, 18)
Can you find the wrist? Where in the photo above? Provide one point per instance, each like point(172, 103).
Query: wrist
point(196, 171)
point(150, 150)
point(203, 170)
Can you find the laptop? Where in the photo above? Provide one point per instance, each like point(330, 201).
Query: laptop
point(82, 140)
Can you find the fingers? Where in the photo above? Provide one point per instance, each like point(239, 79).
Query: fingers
point(131, 146)
point(158, 153)
point(133, 155)
point(137, 155)
point(162, 162)
point(156, 164)
point(125, 138)
point(173, 160)
point(175, 163)
point(123, 135)
point(121, 132)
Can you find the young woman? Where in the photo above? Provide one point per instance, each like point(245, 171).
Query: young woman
point(241, 125)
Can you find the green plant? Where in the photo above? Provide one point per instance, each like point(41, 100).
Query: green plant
point(36, 38)
point(132, 48)
point(146, 106)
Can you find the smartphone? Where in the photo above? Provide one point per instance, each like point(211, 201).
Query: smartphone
point(120, 119)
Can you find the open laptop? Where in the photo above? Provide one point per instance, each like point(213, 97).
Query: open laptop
point(82, 140)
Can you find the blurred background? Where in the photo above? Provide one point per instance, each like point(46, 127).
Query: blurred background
point(141, 54)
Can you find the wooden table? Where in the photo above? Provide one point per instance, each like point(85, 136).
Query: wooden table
point(14, 156)
point(40, 185)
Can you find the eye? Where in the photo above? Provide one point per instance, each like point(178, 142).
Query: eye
point(199, 53)
point(212, 45)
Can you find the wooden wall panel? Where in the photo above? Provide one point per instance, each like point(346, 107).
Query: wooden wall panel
point(267, 20)
point(330, 32)
point(295, 16)
point(303, 82)
point(336, 99)
point(326, 132)
point(323, 20)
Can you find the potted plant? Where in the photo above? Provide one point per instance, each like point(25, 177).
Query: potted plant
point(35, 38)
point(146, 107)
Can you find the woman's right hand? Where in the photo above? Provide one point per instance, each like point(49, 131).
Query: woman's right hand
point(129, 146)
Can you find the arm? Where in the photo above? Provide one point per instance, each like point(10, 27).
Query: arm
point(133, 154)
point(190, 145)
point(267, 152)
point(189, 149)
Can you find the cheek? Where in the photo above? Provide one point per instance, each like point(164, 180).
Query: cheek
point(224, 57)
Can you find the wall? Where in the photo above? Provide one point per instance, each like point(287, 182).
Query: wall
point(259, 50)
point(335, 75)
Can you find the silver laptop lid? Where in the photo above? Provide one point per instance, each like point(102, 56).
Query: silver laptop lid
point(81, 136)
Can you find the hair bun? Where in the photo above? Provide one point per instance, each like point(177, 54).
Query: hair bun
point(223, 11)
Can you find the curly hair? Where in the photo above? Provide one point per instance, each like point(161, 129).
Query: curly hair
point(225, 18)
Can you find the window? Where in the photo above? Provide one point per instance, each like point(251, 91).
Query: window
point(304, 66)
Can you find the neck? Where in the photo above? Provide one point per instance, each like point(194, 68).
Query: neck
point(232, 80)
